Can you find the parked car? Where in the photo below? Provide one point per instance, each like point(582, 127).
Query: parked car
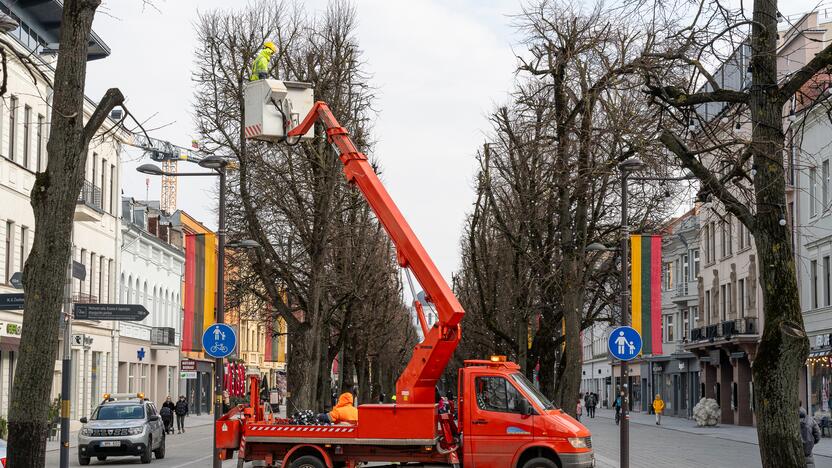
point(122, 425)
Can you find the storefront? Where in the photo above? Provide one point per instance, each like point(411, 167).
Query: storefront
point(818, 376)
point(146, 367)
point(196, 383)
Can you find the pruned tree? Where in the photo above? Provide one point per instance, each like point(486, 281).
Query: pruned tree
point(53, 200)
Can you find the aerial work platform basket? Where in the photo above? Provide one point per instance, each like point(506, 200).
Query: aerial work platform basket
point(273, 107)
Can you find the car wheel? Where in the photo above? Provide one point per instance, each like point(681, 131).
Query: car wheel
point(540, 462)
point(83, 461)
point(160, 452)
point(102, 457)
point(307, 461)
point(148, 451)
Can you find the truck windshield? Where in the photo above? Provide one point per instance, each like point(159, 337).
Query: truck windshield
point(532, 391)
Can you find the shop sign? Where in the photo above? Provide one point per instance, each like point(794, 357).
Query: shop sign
point(187, 375)
point(11, 329)
point(187, 365)
point(821, 341)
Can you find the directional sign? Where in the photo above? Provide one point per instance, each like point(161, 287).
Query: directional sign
point(17, 280)
point(79, 271)
point(219, 340)
point(126, 312)
point(624, 343)
point(12, 301)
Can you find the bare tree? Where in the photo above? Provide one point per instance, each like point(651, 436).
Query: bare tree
point(53, 199)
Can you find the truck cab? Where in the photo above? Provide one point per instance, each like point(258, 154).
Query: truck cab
point(507, 422)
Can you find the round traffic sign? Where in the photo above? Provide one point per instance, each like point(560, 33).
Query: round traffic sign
point(624, 343)
point(219, 340)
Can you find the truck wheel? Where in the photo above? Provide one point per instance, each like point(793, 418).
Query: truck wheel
point(307, 461)
point(540, 462)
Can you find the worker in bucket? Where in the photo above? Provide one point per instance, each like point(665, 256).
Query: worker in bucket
point(343, 413)
point(260, 66)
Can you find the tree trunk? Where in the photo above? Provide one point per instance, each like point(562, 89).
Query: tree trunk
point(298, 379)
point(53, 199)
point(568, 383)
point(783, 347)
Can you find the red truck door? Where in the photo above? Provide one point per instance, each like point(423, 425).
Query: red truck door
point(497, 426)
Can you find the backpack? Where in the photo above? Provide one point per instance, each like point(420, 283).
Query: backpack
point(807, 437)
point(165, 412)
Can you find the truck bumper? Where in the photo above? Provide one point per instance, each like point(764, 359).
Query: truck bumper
point(577, 460)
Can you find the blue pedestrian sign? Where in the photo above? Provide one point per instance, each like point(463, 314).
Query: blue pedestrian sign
point(624, 343)
point(219, 340)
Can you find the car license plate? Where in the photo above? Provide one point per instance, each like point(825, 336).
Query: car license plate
point(111, 443)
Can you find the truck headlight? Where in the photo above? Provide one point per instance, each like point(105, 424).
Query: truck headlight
point(135, 430)
point(577, 442)
point(85, 431)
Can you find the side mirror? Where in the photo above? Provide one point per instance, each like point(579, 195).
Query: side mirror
point(154, 417)
point(525, 408)
point(83, 420)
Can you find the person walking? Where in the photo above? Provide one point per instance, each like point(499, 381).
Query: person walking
point(166, 412)
point(809, 434)
point(619, 402)
point(181, 410)
point(590, 404)
point(658, 408)
point(579, 410)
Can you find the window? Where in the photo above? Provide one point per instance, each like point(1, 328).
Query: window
point(669, 325)
point(730, 226)
point(708, 306)
point(104, 195)
point(94, 178)
point(83, 260)
point(131, 377)
point(723, 302)
point(112, 191)
point(814, 283)
point(825, 185)
point(695, 265)
point(740, 235)
point(27, 136)
point(713, 242)
point(12, 112)
point(668, 276)
point(39, 150)
point(706, 243)
point(102, 281)
point(91, 274)
point(741, 297)
point(111, 278)
point(687, 274)
point(813, 199)
point(9, 256)
point(23, 239)
point(497, 394)
point(826, 278)
point(694, 311)
point(685, 324)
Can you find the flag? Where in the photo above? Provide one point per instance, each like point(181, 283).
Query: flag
point(200, 288)
point(273, 351)
point(646, 290)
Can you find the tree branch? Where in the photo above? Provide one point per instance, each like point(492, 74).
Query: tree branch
point(111, 99)
point(800, 77)
point(677, 97)
point(708, 179)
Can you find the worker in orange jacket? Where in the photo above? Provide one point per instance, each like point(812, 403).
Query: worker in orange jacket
point(344, 411)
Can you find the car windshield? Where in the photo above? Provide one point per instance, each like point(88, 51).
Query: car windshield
point(119, 412)
point(532, 391)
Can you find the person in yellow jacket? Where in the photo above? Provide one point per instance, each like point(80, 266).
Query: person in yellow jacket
point(260, 66)
point(658, 408)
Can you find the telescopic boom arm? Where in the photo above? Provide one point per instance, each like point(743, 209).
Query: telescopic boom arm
point(417, 382)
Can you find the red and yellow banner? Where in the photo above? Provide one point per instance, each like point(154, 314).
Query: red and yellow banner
point(646, 290)
point(200, 288)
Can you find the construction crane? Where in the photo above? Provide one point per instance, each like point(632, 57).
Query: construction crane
point(169, 155)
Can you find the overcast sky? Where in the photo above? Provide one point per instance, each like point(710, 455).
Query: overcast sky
point(439, 67)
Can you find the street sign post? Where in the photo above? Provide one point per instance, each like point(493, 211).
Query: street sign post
point(624, 343)
point(12, 301)
point(219, 340)
point(124, 312)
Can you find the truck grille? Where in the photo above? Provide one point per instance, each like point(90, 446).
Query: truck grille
point(109, 432)
point(589, 442)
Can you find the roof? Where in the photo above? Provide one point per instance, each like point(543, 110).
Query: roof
point(47, 16)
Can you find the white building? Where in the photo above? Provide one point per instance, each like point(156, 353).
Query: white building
point(24, 127)
point(151, 275)
point(596, 372)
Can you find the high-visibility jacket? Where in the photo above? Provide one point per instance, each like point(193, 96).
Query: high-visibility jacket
point(344, 411)
point(658, 406)
point(261, 63)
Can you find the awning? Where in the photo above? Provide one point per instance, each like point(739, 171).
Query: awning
point(820, 353)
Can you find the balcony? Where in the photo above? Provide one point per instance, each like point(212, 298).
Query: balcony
point(84, 298)
point(725, 329)
point(162, 337)
point(685, 291)
point(89, 207)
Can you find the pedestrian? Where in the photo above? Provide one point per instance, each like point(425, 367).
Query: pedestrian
point(181, 411)
point(590, 405)
point(810, 435)
point(260, 66)
point(578, 410)
point(658, 408)
point(619, 402)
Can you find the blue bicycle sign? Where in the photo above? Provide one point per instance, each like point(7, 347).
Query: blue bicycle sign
point(219, 340)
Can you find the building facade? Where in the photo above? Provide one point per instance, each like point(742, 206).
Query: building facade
point(151, 275)
point(596, 372)
point(24, 130)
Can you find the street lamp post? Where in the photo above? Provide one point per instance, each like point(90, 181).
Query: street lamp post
point(217, 165)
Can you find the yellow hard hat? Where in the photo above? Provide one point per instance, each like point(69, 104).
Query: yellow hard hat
point(270, 45)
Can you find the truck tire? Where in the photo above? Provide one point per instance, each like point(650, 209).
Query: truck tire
point(307, 461)
point(539, 462)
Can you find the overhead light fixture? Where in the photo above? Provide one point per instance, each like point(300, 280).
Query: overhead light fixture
point(151, 169)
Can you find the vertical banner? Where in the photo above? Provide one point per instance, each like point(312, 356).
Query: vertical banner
point(646, 290)
point(200, 288)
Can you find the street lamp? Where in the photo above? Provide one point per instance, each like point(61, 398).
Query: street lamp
point(243, 244)
point(217, 165)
